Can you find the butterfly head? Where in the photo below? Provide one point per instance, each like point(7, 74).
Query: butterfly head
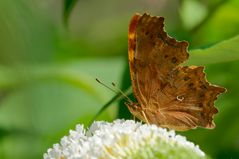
point(135, 109)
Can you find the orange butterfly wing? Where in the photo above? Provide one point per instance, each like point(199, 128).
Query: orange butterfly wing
point(169, 95)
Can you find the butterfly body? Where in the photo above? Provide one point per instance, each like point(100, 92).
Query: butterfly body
point(168, 95)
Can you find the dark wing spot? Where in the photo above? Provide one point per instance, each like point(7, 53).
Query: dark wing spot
point(174, 60)
point(200, 105)
point(151, 36)
point(208, 103)
point(201, 95)
point(190, 85)
point(154, 44)
point(186, 78)
point(160, 36)
point(203, 87)
point(202, 114)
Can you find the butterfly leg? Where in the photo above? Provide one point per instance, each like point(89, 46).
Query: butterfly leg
point(145, 117)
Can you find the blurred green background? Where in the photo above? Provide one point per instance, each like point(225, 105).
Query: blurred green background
point(51, 51)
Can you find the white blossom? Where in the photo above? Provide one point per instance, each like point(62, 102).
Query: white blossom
point(123, 139)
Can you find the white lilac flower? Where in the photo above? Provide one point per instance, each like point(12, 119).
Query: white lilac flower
point(123, 139)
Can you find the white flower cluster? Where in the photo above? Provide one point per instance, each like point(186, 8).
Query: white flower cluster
point(123, 139)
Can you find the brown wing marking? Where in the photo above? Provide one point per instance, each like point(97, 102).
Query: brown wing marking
point(131, 53)
point(191, 98)
point(152, 55)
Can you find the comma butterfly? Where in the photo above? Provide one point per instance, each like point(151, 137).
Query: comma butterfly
point(168, 95)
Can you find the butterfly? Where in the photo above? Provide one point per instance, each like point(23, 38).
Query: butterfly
point(168, 94)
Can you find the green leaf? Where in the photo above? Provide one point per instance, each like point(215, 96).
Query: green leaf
point(221, 23)
point(224, 51)
point(189, 17)
point(68, 6)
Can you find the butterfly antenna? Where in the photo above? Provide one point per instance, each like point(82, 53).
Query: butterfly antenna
point(105, 85)
point(123, 94)
point(119, 95)
point(116, 90)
